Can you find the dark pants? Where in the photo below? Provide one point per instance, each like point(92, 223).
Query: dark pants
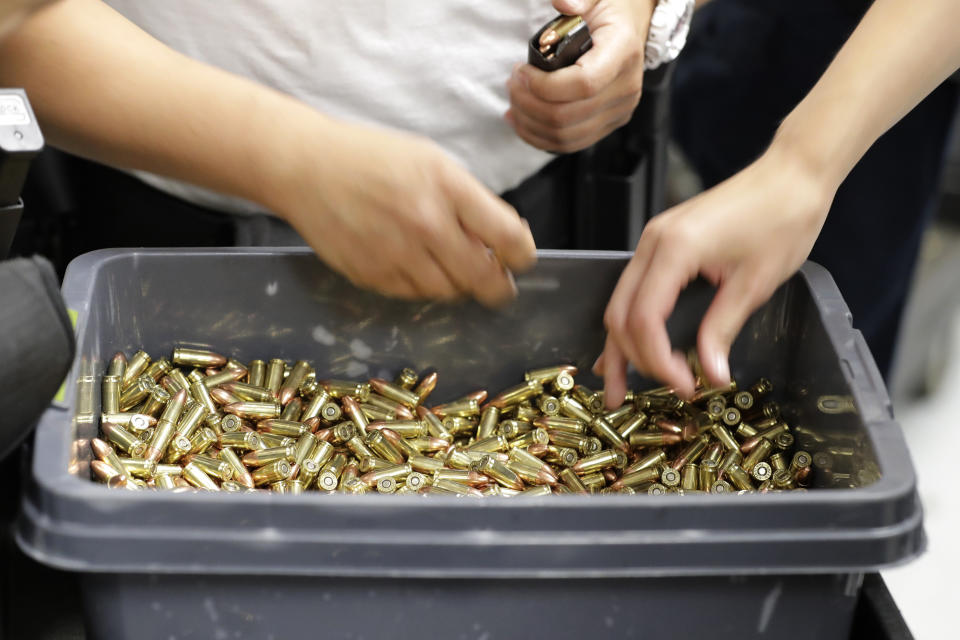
point(747, 64)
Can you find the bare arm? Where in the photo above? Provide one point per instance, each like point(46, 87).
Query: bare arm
point(414, 224)
point(898, 54)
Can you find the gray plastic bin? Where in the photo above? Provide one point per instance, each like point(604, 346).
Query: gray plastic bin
point(199, 565)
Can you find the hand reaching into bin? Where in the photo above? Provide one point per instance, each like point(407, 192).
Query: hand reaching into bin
point(750, 233)
point(570, 109)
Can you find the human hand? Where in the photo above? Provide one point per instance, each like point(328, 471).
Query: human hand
point(571, 108)
point(393, 213)
point(747, 235)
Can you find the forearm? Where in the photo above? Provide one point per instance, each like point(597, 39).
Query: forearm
point(105, 89)
point(898, 54)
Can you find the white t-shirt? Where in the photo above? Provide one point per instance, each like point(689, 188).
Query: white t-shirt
point(433, 67)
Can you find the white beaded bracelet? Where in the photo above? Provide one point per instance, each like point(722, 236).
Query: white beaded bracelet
point(668, 32)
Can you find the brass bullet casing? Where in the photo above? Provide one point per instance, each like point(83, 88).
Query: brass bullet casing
point(571, 425)
point(731, 416)
point(602, 429)
point(656, 489)
point(407, 378)
point(213, 467)
point(784, 441)
point(255, 410)
point(762, 471)
point(416, 480)
point(343, 432)
point(243, 440)
point(179, 447)
point(164, 481)
point(231, 423)
point(571, 408)
point(174, 381)
point(273, 472)
point(330, 473)
point(692, 453)
point(136, 393)
point(713, 453)
point(515, 395)
point(783, 480)
point(137, 364)
point(573, 482)
point(405, 428)
point(160, 440)
point(426, 385)
point(108, 475)
point(589, 399)
point(240, 473)
point(564, 456)
point(315, 406)
point(423, 464)
point(117, 366)
point(223, 376)
point(395, 410)
point(155, 401)
point(489, 419)
point(202, 440)
point(723, 435)
point(462, 408)
point(600, 461)
point(534, 492)
point(352, 408)
point(359, 448)
point(136, 422)
point(548, 374)
point(767, 434)
point(778, 461)
point(669, 477)
point(745, 430)
point(199, 358)
point(513, 428)
point(563, 382)
point(761, 452)
point(202, 395)
point(761, 387)
point(110, 394)
point(289, 387)
point(618, 416)
point(632, 424)
point(407, 398)
point(261, 457)
point(549, 405)
point(434, 425)
point(396, 472)
point(739, 477)
point(637, 478)
point(124, 440)
point(106, 453)
point(257, 373)
point(382, 447)
point(304, 446)
point(274, 375)
point(198, 478)
point(652, 460)
point(743, 400)
point(501, 473)
point(653, 439)
point(491, 444)
point(690, 477)
point(716, 406)
point(594, 482)
point(270, 440)
point(709, 470)
point(248, 392)
point(721, 486)
point(281, 427)
point(731, 458)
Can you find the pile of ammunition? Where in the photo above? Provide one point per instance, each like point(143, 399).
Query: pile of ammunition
point(217, 424)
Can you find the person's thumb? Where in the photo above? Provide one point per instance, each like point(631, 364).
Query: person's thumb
point(736, 298)
point(573, 7)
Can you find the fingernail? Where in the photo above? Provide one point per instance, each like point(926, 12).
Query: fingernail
point(722, 368)
point(513, 283)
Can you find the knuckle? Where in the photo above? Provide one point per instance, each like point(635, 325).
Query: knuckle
point(588, 85)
